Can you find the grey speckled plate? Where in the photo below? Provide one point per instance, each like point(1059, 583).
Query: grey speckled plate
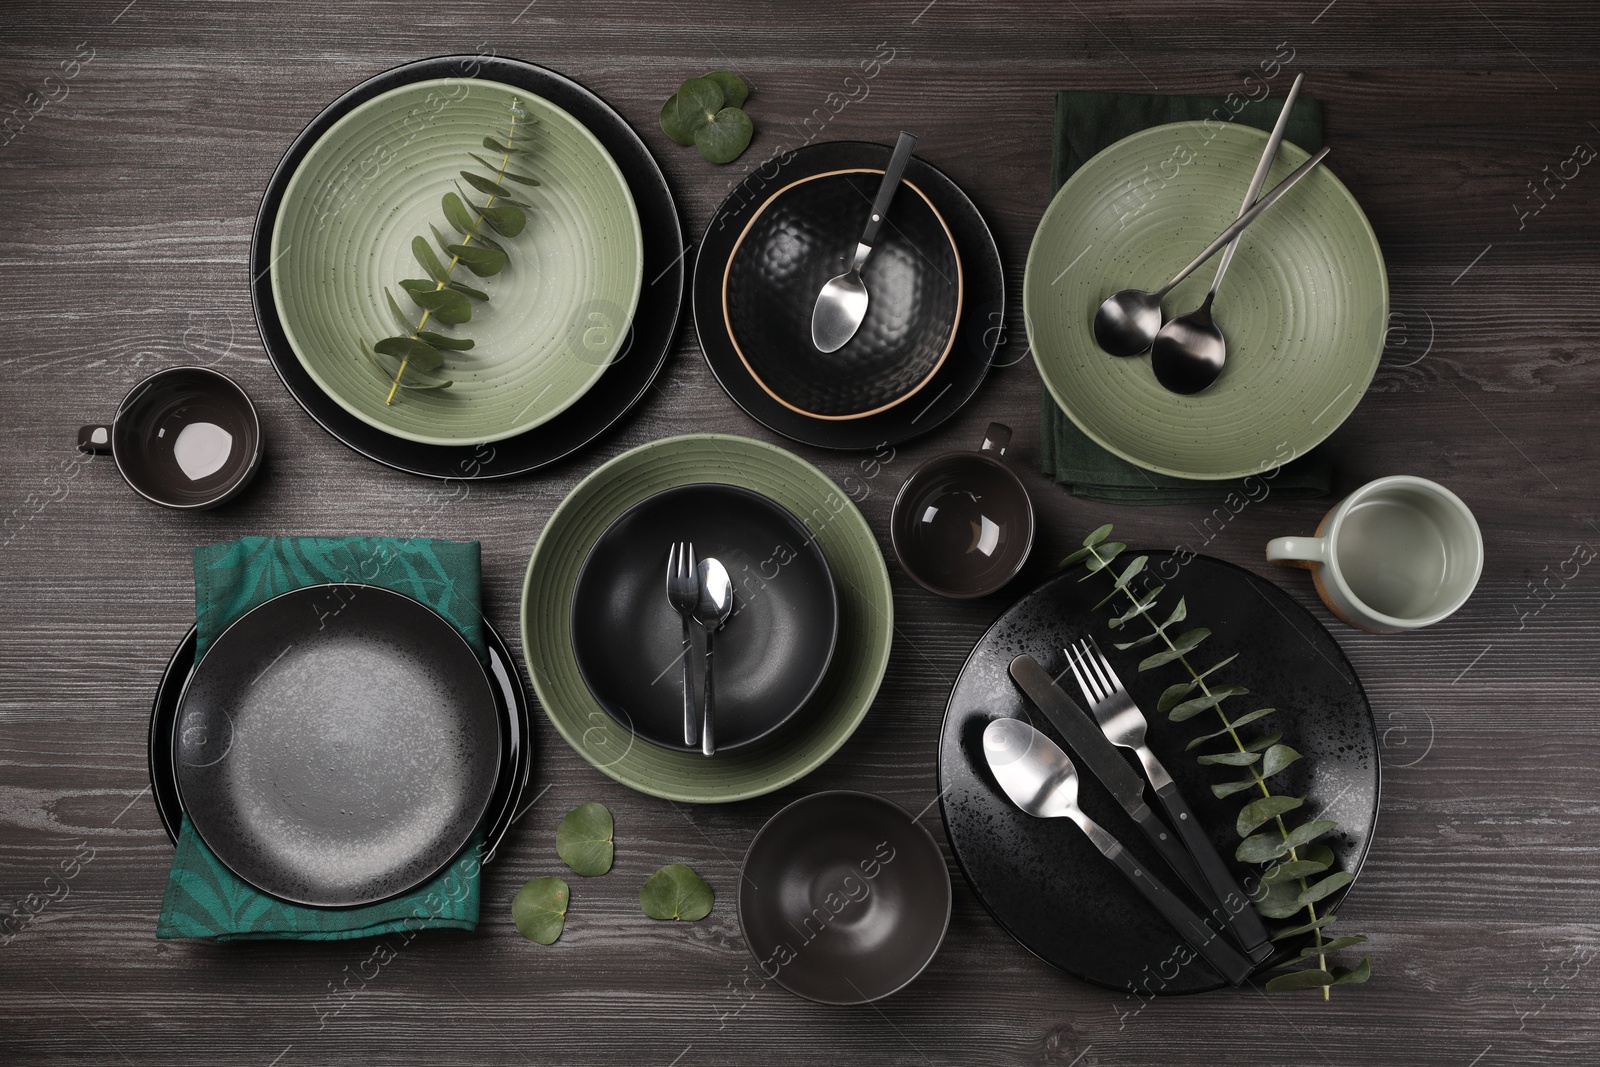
point(337, 756)
point(1041, 878)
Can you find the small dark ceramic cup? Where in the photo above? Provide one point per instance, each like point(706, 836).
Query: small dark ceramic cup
point(185, 437)
point(962, 524)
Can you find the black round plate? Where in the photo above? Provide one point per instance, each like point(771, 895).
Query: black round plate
point(769, 657)
point(340, 759)
point(794, 244)
point(643, 352)
point(982, 313)
point(844, 897)
point(511, 702)
point(1041, 878)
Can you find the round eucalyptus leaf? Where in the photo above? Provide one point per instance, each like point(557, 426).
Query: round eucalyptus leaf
point(676, 892)
point(455, 212)
point(484, 261)
point(694, 104)
point(725, 137)
point(584, 839)
point(734, 91)
point(540, 909)
point(418, 354)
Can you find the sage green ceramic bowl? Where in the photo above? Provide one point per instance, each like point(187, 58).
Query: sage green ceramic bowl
point(866, 618)
point(556, 315)
point(1304, 307)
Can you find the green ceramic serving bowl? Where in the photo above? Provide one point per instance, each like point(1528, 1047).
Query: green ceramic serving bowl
point(1304, 307)
point(556, 314)
point(866, 618)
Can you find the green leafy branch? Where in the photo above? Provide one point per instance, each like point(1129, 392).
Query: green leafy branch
point(443, 299)
point(1289, 850)
point(707, 112)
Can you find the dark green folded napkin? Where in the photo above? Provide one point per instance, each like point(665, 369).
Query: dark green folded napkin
point(1085, 123)
point(203, 898)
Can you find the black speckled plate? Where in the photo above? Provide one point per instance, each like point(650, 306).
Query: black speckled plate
point(804, 235)
point(1041, 878)
point(957, 377)
point(337, 759)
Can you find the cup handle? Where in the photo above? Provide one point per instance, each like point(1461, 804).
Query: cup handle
point(1298, 551)
point(996, 439)
point(95, 439)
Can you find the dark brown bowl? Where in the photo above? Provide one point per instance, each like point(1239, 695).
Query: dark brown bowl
point(844, 898)
point(805, 234)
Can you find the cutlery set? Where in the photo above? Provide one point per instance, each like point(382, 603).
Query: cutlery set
point(703, 593)
point(1043, 781)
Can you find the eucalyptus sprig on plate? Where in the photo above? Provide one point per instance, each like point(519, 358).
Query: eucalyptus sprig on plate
point(707, 112)
point(1296, 877)
point(443, 299)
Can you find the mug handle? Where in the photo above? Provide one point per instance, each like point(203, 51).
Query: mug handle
point(95, 440)
point(1298, 551)
point(996, 439)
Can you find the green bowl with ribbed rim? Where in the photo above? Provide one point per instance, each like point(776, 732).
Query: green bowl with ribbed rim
point(866, 618)
point(556, 315)
point(1304, 307)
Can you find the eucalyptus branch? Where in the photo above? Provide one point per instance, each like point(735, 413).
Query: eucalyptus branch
point(442, 298)
point(1290, 851)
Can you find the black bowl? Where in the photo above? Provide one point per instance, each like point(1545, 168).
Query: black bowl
point(770, 656)
point(805, 234)
point(844, 898)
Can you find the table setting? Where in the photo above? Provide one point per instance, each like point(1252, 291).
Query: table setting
point(661, 551)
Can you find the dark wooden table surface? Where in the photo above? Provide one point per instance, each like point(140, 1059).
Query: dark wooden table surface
point(126, 204)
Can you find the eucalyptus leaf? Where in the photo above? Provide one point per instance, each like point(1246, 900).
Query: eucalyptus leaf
point(455, 213)
point(734, 91)
point(484, 261)
point(1179, 613)
point(1264, 742)
point(695, 103)
point(503, 173)
point(1311, 978)
point(1227, 789)
point(482, 184)
point(1185, 644)
point(417, 354)
point(1103, 555)
point(1174, 694)
point(1258, 812)
point(1229, 759)
point(415, 385)
point(726, 136)
point(1354, 976)
point(540, 910)
point(1241, 721)
point(440, 341)
point(1307, 832)
point(1331, 884)
point(505, 149)
point(1141, 605)
point(1262, 847)
point(430, 262)
point(446, 305)
point(1138, 642)
point(1277, 758)
point(1073, 557)
point(1132, 571)
point(507, 219)
point(1279, 901)
point(584, 839)
point(467, 290)
point(1314, 859)
point(1333, 944)
point(1305, 928)
point(400, 316)
point(1214, 697)
point(676, 892)
point(1217, 667)
point(1097, 536)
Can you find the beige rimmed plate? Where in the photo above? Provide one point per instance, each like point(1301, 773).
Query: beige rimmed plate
point(1304, 307)
point(557, 314)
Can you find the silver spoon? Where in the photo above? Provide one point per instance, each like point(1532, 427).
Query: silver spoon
point(711, 611)
point(1041, 780)
point(842, 303)
point(1188, 354)
point(1128, 321)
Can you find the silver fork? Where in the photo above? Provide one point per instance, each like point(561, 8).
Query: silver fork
point(683, 592)
point(1124, 725)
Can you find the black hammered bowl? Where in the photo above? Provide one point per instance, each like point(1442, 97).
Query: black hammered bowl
point(805, 234)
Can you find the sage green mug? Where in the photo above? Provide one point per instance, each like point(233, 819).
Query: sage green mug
point(1398, 554)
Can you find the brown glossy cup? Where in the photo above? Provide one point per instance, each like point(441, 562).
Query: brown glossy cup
point(963, 523)
point(185, 437)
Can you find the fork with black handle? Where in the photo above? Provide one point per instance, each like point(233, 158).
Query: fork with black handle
point(683, 592)
point(1124, 725)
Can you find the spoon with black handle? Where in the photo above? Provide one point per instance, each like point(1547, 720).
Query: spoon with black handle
point(1128, 322)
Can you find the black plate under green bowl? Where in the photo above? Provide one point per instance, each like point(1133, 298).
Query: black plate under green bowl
point(978, 334)
point(1042, 879)
point(637, 362)
point(844, 897)
point(511, 702)
point(770, 656)
point(339, 756)
point(804, 235)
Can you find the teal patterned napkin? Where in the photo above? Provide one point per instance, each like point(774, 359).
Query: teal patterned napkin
point(205, 899)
